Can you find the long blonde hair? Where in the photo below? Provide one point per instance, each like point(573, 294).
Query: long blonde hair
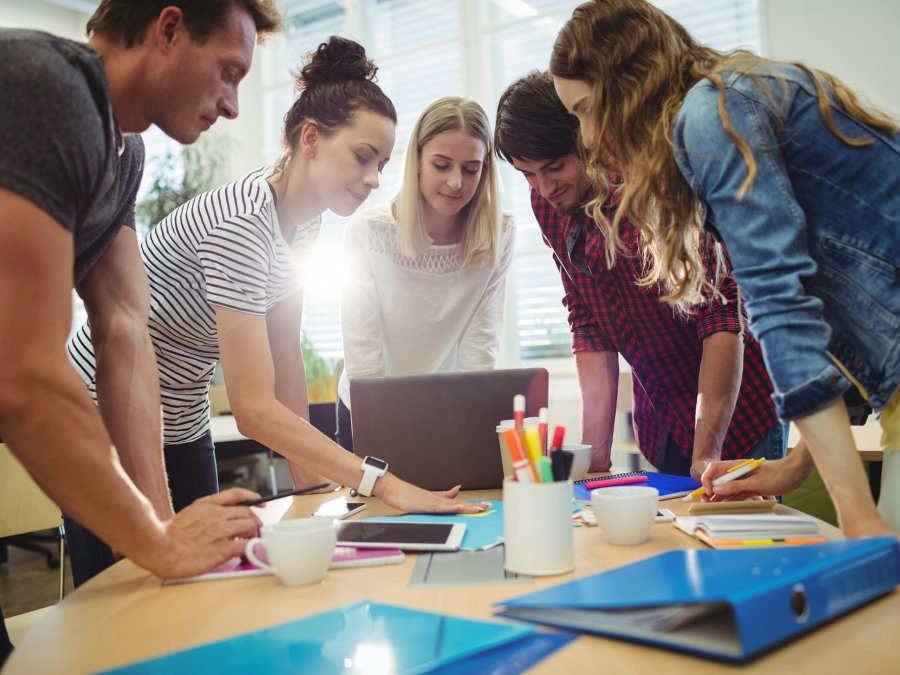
point(640, 64)
point(483, 223)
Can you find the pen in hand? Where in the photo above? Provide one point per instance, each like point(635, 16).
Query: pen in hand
point(734, 472)
point(281, 495)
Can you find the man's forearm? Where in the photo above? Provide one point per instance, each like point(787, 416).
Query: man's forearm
point(53, 428)
point(128, 395)
point(719, 383)
point(598, 379)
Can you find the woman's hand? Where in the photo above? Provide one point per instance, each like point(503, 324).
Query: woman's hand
point(408, 498)
point(773, 478)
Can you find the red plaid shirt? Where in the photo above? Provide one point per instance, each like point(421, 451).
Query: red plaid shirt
point(609, 311)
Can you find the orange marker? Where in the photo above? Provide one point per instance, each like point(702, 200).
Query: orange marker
point(521, 466)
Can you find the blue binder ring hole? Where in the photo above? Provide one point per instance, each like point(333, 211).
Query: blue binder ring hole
point(799, 603)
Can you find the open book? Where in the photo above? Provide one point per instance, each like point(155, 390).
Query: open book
point(750, 530)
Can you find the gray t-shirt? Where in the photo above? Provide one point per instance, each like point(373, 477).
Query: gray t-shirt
point(60, 145)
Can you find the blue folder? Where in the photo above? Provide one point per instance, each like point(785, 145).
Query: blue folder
point(668, 485)
point(355, 639)
point(727, 604)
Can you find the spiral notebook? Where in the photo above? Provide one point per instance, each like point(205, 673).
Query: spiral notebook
point(669, 485)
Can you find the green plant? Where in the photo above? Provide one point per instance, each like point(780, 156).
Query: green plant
point(319, 372)
point(179, 176)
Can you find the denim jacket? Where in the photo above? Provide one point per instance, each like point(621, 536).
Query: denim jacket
point(815, 242)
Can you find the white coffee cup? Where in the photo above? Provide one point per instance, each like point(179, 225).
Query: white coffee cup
point(625, 513)
point(299, 550)
point(581, 460)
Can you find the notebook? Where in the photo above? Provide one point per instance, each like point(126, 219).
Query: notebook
point(668, 485)
point(721, 531)
point(437, 431)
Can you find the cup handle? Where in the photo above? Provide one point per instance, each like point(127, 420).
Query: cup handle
point(251, 556)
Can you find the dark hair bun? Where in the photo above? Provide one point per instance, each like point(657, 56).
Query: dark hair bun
point(337, 60)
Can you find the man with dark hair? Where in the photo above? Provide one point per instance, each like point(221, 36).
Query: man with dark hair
point(69, 173)
point(700, 387)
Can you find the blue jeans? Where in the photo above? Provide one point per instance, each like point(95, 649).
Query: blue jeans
point(344, 435)
point(773, 445)
point(191, 469)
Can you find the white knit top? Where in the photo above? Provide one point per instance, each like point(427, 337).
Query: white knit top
point(416, 316)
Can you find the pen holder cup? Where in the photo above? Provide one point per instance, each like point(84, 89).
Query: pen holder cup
point(505, 457)
point(537, 524)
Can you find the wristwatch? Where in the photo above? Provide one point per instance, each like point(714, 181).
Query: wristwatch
point(373, 469)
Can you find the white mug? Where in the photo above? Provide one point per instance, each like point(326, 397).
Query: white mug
point(299, 550)
point(625, 513)
point(581, 460)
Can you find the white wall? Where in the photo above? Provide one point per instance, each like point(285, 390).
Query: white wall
point(42, 16)
point(857, 41)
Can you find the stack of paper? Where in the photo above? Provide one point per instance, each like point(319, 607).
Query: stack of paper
point(751, 530)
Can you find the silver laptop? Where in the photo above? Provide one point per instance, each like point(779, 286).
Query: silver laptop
point(437, 431)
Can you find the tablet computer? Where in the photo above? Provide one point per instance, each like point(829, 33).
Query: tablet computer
point(407, 536)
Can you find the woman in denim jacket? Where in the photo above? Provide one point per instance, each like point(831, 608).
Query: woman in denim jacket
point(802, 183)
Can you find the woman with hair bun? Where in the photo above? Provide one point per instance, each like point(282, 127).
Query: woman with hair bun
point(429, 268)
point(223, 272)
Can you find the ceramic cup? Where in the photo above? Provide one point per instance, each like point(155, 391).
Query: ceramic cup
point(581, 460)
point(299, 551)
point(625, 513)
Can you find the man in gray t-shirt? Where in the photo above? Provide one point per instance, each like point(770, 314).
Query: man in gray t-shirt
point(70, 166)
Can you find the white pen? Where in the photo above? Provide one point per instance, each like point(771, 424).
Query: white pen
point(736, 471)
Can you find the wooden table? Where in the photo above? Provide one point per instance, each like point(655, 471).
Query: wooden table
point(125, 614)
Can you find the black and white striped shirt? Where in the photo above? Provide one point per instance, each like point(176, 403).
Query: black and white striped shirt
point(222, 248)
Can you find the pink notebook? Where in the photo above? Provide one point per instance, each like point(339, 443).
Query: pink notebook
point(344, 556)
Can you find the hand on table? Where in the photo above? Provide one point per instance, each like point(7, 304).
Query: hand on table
point(204, 534)
point(411, 499)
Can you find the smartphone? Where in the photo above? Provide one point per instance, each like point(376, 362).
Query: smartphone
point(339, 508)
point(664, 516)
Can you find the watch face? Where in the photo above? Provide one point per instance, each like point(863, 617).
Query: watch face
point(379, 464)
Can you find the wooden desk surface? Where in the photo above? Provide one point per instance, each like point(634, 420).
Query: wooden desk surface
point(125, 614)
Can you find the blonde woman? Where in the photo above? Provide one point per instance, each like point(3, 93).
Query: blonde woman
point(428, 269)
point(800, 180)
